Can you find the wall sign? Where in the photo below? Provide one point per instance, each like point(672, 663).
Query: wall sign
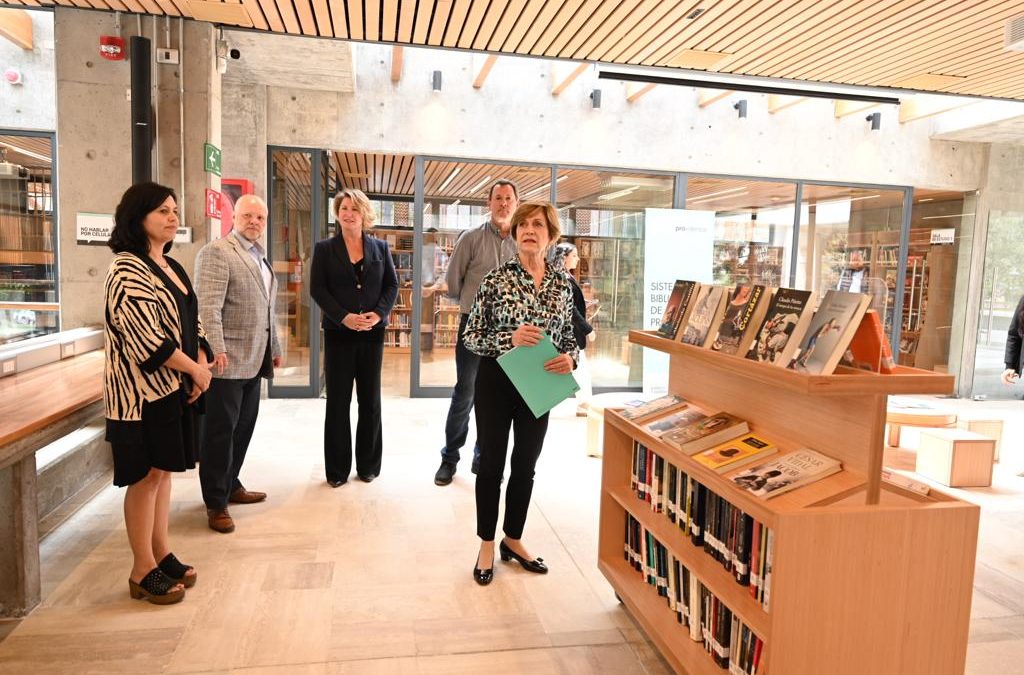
point(93, 229)
point(944, 236)
point(212, 203)
point(211, 159)
point(679, 244)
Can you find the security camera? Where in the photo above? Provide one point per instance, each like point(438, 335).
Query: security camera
point(235, 54)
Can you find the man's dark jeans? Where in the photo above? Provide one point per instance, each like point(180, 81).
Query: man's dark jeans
point(456, 429)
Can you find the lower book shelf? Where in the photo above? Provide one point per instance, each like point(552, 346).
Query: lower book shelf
point(660, 623)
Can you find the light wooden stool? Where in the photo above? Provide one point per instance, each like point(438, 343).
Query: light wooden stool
point(991, 428)
point(956, 457)
point(897, 417)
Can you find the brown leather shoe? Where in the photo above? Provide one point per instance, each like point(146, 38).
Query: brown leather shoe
point(243, 496)
point(220, 520)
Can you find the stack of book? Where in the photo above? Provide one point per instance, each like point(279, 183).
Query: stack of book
point(726, 639)
point(780, 326)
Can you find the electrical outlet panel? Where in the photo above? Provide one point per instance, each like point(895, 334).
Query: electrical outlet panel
point(166, 55)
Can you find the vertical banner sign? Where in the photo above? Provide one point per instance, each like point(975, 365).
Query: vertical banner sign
point(211, 159)
point(212, 203)
point(678, 244)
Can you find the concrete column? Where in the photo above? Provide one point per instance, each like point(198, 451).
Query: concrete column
point(19, 556)
point(94, 143)
point(245, 132)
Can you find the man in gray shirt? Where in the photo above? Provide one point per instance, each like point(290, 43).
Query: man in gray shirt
point(477, 252)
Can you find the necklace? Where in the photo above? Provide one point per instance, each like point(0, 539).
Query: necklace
point(163, 266)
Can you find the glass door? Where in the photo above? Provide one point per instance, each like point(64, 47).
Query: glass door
point(298, 206)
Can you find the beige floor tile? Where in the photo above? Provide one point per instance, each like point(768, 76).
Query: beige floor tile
point(481, 634)
point(989, 658)
point(351, 641)
point(114, 652)
point(298, 576)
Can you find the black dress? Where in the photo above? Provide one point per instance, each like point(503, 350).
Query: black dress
point(168, 437)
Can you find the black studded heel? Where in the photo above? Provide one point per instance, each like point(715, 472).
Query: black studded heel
point(157, 588)
point(177, 571)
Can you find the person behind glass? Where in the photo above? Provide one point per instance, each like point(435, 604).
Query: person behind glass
point(567, 258)
point(156, 370)
point(1014, 336)
point(516, 304)
point(353, 281)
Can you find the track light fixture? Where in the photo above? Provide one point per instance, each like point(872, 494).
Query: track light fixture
point(876, 120)
point(435, 81)
point(741, 107)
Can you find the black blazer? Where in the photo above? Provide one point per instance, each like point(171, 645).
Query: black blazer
point(334, 287)
point(580, 327)
point(1012, 358)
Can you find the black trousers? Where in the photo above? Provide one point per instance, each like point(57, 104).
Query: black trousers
point(344, 363)
point(231, 410)
point(499, 409)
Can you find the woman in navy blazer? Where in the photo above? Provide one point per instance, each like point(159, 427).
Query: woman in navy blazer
point(353, 281)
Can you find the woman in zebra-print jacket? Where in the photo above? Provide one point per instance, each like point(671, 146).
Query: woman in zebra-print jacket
point(157, 367)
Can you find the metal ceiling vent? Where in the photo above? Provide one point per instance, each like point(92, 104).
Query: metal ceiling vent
point(1014, 34)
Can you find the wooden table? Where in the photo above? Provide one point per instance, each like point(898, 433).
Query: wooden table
point(36, 408)
point(920, 415)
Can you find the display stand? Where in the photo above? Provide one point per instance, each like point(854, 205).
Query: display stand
point(867, 577)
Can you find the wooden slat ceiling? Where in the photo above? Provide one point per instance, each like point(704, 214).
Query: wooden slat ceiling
point(16, 148)
point(859, 42)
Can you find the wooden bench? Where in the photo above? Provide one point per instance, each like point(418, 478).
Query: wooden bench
point(36, 408)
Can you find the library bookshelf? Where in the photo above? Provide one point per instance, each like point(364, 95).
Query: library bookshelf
point(866, 577)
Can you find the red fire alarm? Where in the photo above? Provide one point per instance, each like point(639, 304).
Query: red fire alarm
point(112, 47)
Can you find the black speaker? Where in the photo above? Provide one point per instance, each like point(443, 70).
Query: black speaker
point(142, 117)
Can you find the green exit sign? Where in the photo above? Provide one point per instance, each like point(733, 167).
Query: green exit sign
point(211, 158)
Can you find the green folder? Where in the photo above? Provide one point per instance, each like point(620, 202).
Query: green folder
point(541, 390)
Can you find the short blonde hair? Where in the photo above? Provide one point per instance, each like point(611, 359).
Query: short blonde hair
point(360, 201)
point(527, 209)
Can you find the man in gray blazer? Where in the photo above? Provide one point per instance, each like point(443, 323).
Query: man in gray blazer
point(235, 286)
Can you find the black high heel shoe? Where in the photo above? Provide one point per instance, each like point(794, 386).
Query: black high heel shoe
point(536, 565)
point(483, 577)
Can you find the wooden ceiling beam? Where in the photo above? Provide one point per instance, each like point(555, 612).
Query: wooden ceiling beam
point(844, 108)
point(777, 102)
point(921, 107)
point(562, 77)
point(16, 26)
point(485, 70)
point(397, 59)
point(635, 90)
point(706, 97)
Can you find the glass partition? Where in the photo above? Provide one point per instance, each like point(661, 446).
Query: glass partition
point(602, 212)
point(28, 238)
point(296, 210)
point(753, 227)
point(850, 240)
point(455, 198)
point(1002, 289)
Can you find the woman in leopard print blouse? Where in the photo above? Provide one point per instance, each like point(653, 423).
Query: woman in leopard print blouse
point(516, 304)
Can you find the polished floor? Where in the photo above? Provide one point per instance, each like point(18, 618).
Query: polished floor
point(376, 578)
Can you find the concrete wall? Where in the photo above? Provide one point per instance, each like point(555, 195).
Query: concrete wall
point(514, 116)
point(30, 105)
point(94, 143)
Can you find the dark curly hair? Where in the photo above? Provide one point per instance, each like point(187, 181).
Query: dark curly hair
point(136, 203)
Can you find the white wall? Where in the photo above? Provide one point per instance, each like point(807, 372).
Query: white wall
point(514, 117)
point(31, 105)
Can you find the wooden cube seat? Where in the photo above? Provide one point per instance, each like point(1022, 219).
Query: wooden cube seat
point(956, 457)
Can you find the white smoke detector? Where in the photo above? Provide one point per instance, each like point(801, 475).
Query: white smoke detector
point(1013, 36)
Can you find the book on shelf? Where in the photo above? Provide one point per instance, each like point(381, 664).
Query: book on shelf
point(708, 305)
point(676, 308)
point(900, 479)
point(702, 616)
point(778, 337)
point(830, 332)
point(869, 349)
point(640, 411)
point(741, 318)
point(786, 472)
point(735, 453)
point(706, 433)
point(677, 419)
